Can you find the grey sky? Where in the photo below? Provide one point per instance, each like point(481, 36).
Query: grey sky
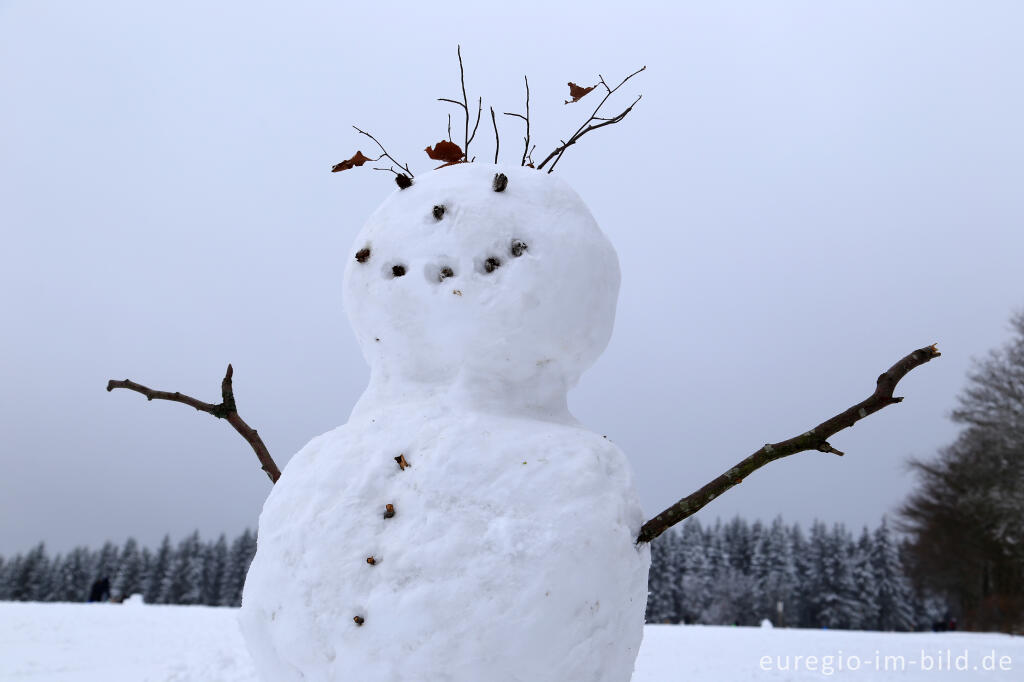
point(807, 192)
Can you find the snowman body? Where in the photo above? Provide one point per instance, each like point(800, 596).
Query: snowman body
point(508, 550)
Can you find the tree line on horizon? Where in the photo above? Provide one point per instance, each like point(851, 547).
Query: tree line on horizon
point(733, 572)
point(211, 573)
point(737, 573)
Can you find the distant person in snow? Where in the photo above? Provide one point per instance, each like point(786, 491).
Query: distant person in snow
point(100, 590)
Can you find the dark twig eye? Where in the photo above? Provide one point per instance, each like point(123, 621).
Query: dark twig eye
point(438, 212)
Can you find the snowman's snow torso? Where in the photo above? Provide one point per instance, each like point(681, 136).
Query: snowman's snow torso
point(510, 553)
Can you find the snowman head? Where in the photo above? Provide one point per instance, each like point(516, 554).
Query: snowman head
point(457, 286)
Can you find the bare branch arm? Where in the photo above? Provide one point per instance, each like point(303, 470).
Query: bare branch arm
point(815, 439)
point(226, 409)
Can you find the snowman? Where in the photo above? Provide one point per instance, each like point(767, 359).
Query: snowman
point(462, 526)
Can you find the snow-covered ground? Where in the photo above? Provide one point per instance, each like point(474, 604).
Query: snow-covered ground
point(136, 643)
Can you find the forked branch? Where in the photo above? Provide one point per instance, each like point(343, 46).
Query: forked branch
point(468, 137)
point(587, 126)
point(815, 439)
point(384, 153)
point(526, 140)
point(226, 409)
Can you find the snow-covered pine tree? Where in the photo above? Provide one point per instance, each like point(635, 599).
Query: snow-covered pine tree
point(146, 556)
point(127, 579)
point(694, 568)
point(191, 564)
point(737, 538)
point(895, 596)
point(213, 578)
point(8, 577)
point(864, 579)
point(663, 580)
point(106, 562)
point(75, 575)
point(774, 572)
point(731, 595)
point(243, 548)
point(800, 612)
point(174, 584)
point(832, 592)
point(51, 579)
point(158, 572)
point(28, 578)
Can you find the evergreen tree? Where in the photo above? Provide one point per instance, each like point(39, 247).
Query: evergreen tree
point(75, 574)
point(242, 551)
point(9, 578)
point(864, 580)
point(895, 596)
point(50, 588)
point(106, 562)
point(216, 561)
point(175, 578)
point(663, 580)
point(192, 567)
point(695, 574)
point(800, 611)
point(128, 578)
point(159, 569)
point(774, 572)
point(28, 580)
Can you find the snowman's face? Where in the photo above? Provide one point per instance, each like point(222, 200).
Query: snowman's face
point(450, 278)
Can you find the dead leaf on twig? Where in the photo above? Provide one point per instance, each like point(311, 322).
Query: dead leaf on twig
point(577, 92)
point(446, 151)
point(357, 160)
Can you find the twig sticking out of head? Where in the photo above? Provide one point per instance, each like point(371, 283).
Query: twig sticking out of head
point(225, 410)
point(587, 125)
point(384, 154)
point(497, 142)
point(526, 147)
point(468, 137)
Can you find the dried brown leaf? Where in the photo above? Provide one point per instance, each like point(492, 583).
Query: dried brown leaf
point(578, 92)
point(446, 151)
point(357, 160)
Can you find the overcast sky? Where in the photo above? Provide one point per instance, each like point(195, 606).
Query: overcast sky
point(806, 192)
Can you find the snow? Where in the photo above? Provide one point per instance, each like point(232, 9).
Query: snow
point(510, 553)
point(111, 643)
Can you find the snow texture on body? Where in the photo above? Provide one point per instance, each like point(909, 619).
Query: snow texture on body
point(507, 552)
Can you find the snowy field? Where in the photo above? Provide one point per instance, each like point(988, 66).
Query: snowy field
point(110, 643)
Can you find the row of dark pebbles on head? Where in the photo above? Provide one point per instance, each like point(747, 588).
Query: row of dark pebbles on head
point(517, 249)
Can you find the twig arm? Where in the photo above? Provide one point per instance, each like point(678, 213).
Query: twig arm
point(226, 409)
point(815, 439)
